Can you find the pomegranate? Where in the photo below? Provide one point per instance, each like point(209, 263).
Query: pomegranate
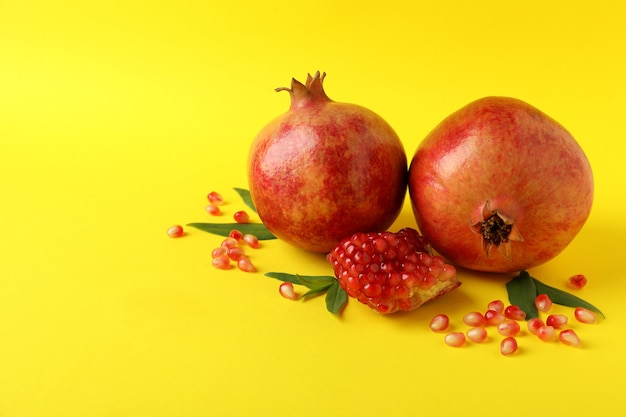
point(325, 170)
point(499, 186)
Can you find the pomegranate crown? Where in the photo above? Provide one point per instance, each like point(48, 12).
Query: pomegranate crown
point(305, 94)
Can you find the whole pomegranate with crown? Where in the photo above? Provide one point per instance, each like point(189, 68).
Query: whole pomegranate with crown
point(325, 170)
point(499, 186)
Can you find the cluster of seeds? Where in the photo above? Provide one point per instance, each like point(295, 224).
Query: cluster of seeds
point(231, 250)
point(507, 324)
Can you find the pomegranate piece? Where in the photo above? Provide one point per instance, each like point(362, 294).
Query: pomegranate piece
point(534, 324)
point(454, 339)
point(390, 272)
point(558, 321)
point(496, 305)
point(493, 317)
point(175, 231)
point(585, 316)
point(477, 334)
point(213, 210)
point(439, 323)
point(241, 217)
point(577, 281)
point(221, 262)
point(569, 337)
point(474, 319)
point(509, 328)
point(215, 198)
point(508, 346)
point(251, 240)
point(245, 264)
point(514, 312)
point(546, 333)
point(503, 150)
point(543, 303)
point(286, 290)
point(346, 170)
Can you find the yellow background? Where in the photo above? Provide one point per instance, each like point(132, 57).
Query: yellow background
point(118, 117)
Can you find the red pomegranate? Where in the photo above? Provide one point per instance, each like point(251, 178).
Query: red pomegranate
point(325, 170)
point(499, 186)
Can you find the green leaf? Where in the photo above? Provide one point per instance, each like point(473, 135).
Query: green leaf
point(522, 292)
point(316, 282)
point(564, 298)
point(284, 277)
point(316, 291)
point(246, 197)
point(336, 298)
point(223, 229)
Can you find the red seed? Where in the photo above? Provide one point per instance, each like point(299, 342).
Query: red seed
point(577, 281)
point(543, 302)
point(534, 324)
point(509, 328)
point(241, 217)
point(585, 316)
point(236, 253)
point(558, 321)
point(286, 290)
point(230, 242)
point(514, 312)
point(235, 234)
point(213, 210)
point(496, 305)
point(439, 323)
point(477, 334)
point(215, 198)
point(569, 337)
point(474, 319)
point(454, 339)
point(245, 265)
point(175, 231)
point(493, 317)
point(508, 346)
point(251, 240)
point(221, 262)
point(219, 251)
point(546, 333)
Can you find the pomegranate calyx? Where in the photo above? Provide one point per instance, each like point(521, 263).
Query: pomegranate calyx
point(497, 231)
point(303, 95)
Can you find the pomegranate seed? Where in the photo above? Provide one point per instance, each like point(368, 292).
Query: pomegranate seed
point(286, 290)
point(543, 302)
point(236, 234)
point(175, 231)
point(220, 251)
point(230, 242)
point(509, 328)
point(439, 323)
point(508, 346)
point(546, 333)
point(558, 321)
point(477, 334)
point(585, 316)
point(245, 265)
point(534, 324)
point(221, 262)
point(454, 339)
point(496, 305)
point(474, 319)
point(215, 198)
point(241, 217)
point(577, 281)
point(493, 317)
point(236, 253)
point(213, 210)
point(569, 337)
point(514, 312)
point(251, 240)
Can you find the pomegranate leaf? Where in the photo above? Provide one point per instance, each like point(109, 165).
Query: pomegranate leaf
point(522, 292)
point(563, 297)
point(224, 229)
point(336, 298)
point(246, 197)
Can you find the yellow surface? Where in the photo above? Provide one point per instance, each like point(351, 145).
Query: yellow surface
point(117, 118)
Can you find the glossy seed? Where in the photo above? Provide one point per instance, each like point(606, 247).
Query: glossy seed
point(508, 346)
point(175, 231)
point(534, 324)
point(221, 262)
point(585, 316)
point(496, 305)
point(577, 281)
point(546, 333)
point(454, 339)
point(558, 321)
point(543, 302)
point(477, 334)
point(493, 317)
point(509, 328)
point(569, 337)
point(215, 198)
point(213, 210)
point(439, 323)
point(514, 312)
point(251, 240)
point(246, 265)
point(219, 251)
point(241, 217)
point(474, 319)
point(286, 290)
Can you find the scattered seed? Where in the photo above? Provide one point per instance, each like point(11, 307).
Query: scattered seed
point(245, 264)
point(213, 210)
point(496, 305)
point(241, 217)
point(569, 337)
point(221, 262)
point(577, 281)
point(219, 251)
point(543, 302)
point(439, 323)
point(251, 240)
point(474, 319)
point(215, 198)
point(454, 339)
point(175, 231)
point(509, 328)
point(493, 317)
point(286, 290)
point(508, 346)
point(236, 253)
point(477, 334)
point(585, 316)
point(230, 242)
point(558, 321)
point(236, 234)
point(534, 324)
point(546, 333)
point(514, 312)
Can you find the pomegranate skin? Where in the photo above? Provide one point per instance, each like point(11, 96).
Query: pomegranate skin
point(325, 170)
point(499, 163)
